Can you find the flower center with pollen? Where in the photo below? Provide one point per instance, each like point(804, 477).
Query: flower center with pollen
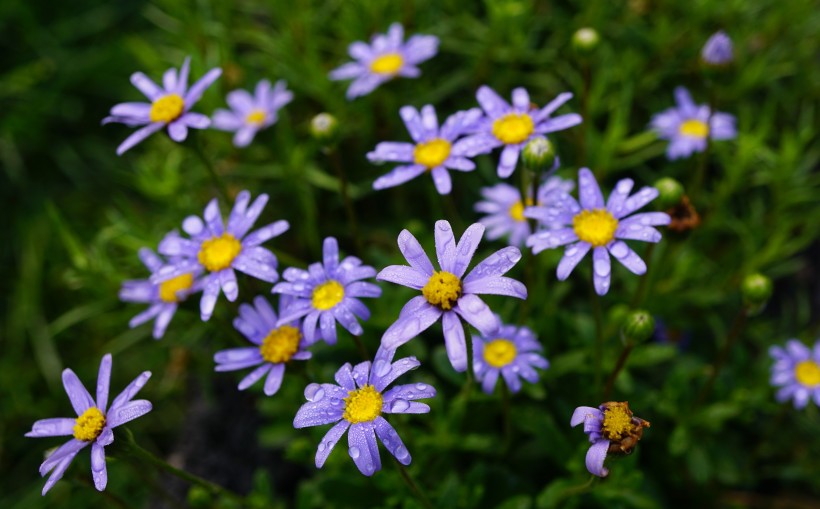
point(167, 108)
point(442, 289)
point(218, 253)
point(596, 227)
point(807, 373)
point(168, 289)
point(517, 210)
point(89, 425)
point(694, 128)
point(362, 405)
point(617, 421)
point(327, 295)
point(499, 352)
point(256, 118)
point(432, 153)
point(280, 344)
point(389, 63)
point(513, 128)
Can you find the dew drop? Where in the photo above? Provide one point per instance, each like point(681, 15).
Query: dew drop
point(321, 447)
point(354, 452)
point(381, 367)
point(421, 387)
point(401, 453)
point(399, 405)
point(618, 250)
point(314, 392)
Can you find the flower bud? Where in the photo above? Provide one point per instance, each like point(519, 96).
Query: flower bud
point(324, 128)
point(670, 192)
point(718, 50)
point(756, 290)
point(538, 154)
point(637, 327)
point(199, 497)
point(585, 40)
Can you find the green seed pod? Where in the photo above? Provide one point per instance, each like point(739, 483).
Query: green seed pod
point(670, 192)
point(756, 290)
point(585, 40)
point(538, 154)
point(637, 327)
point(324, 128)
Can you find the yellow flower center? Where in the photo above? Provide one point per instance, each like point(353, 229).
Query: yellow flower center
point(327, 295)
point(517, 209)
point(280, 344)
point(442, 289)
point(218, 253)
point(617, 421)
point(168, 289)
point(167, 108)
point(432, 153)
point(389, 63)
point(499, 352)
point(513, 128)
point(89, 425)
point(694, 128)
point(807, 373)
point(256, 117)
point(362, 405)
point(597, 227)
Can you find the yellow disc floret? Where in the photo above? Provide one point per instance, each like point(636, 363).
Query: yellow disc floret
point(328, 294)
point(168, 289)
point(389, 63)
point(597, 226)
point(218, 253)
point(513, 128)
point(807, 373)
point(256, 118)
point(280, 344)
point(167, 108)
point(432, 153)
point(517, 210)
point(694, 128)
point(362, 405)
point(499, 352)
point(89, 425)
point(442, 289)
point(617, 421)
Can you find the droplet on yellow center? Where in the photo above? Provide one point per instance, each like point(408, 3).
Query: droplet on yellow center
point(499, 352)
point(218, 253)
point(168, 289)
point(362, 405)
point(280, 344)
point(513, 128)
point(596, 227)
point(389, 63)
point(432, 153)
point(694, 128)
point(167, 108)
point(89, 425)
point(256, 118)
point(617, 421)
point(807, 373)
point(517, 209)
point(327, 295)
point(443, 289)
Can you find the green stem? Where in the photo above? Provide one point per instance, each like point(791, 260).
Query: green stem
point(505, 407)
point(452, 211)
point(643, 284)
point(581, 488)
point(723, 356)
point(217, 182)
point(408, 480)
point(362, 349)
point(599, 332)
point(117, 501)
point(610, 382)
point(336, 162)
point(470, 372)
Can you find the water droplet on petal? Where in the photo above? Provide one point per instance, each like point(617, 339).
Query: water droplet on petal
point(321, 446)
point(381, 367)
point(401, 453)
point(399, 406)
point(354, 452)
point(421, 387)
point(314, 392)
point(618, 250)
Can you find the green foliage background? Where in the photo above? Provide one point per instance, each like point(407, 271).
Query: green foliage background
point(75, 215)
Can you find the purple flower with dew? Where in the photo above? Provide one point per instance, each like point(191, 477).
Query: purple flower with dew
point(510, 351)
point(163, 298)
point(357, 403)
point(688, 125)
point(506, 211)
point(512, 126)
point(718, 49)
point(327, 292)
point(276, 345)
point(250, 114)
point(218, 250)
point(592, 225)
point(93, 425)
point(448, 294)
point(432, 151)
point(611, 428)
point(386, 57)
point(170, 106)
point(796, 370)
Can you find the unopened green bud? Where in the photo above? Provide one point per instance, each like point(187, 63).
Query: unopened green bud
point(638, 326)
point(199, 497)
point(324, 128)
point(538, 154)
point(670, 192)
point(585, 40)
point(756, 290)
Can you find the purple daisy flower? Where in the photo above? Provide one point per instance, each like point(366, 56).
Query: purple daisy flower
point(386, 57)
point(432, 151)
point(170, 106)
point(718, 49)
point(611, 428)
point(94, 423)
point(512, 125)
point(275, 345)
point(327, 292)
point(510, 351)
point(796, 370)
point(688, 125)
point(595, 225)
point(164, 298)
point(250, 114)
point(358, 402)
point(444, 294)
point(218, 250)
point(506, 211)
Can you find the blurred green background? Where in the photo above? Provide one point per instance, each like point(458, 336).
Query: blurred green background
point(75, 215)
